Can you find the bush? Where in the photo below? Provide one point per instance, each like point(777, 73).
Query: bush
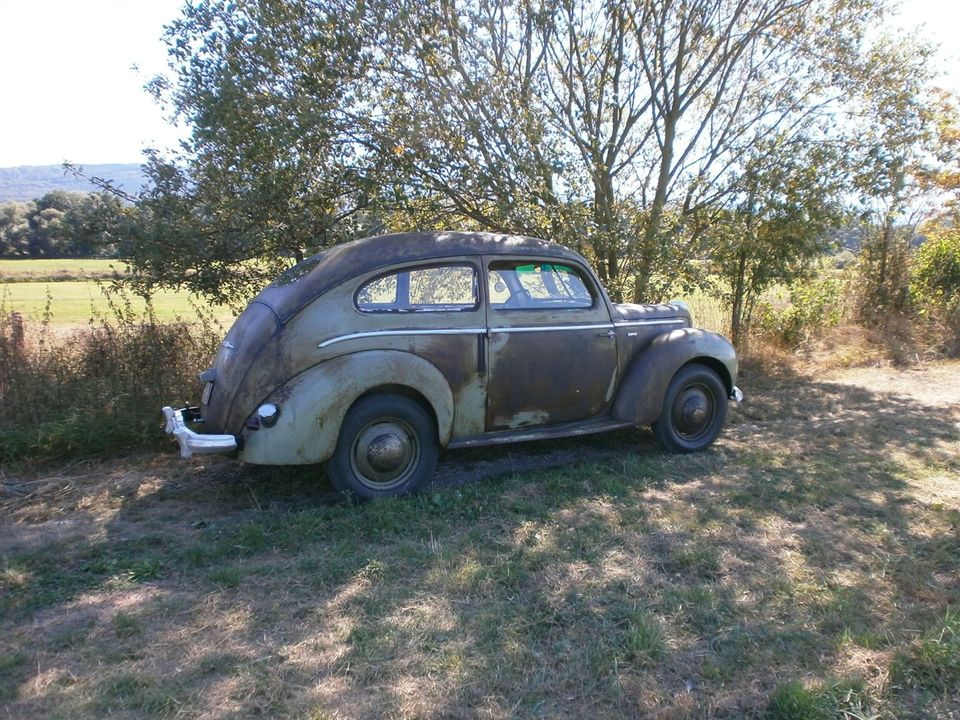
point(813, 304)
point(935, 284)
point(97, 390)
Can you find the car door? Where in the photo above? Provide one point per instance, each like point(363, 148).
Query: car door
point(552, 349)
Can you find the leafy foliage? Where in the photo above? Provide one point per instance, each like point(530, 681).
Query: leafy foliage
point(935, 280)
point(272, 169)
point(61, 224)
point(625, 131)
point(814, 304)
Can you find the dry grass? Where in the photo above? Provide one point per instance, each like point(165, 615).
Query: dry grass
point(782, 573)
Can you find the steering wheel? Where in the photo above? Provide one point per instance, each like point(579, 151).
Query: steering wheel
point(519, 299)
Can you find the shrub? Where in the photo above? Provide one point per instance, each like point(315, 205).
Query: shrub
point(812, 305)
point(935, 284)
point(96, 390)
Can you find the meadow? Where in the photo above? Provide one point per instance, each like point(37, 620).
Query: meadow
point(71, 292)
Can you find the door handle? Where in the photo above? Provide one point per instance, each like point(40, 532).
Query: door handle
point(608, 334)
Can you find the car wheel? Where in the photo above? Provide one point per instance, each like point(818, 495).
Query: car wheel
point(694, 410)
point(387, 446)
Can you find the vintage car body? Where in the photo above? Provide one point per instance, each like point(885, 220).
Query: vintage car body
point(376, 353)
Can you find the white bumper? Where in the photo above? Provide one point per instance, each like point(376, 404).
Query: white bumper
point(192, 443)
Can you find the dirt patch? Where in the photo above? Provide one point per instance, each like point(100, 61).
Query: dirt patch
point(934, 384)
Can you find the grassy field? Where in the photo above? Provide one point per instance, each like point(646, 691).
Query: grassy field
point(71, 290)
point(44, 270)
point(75, 302)
point(806, 566)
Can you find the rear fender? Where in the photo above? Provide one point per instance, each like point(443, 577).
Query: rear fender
point(640, 398)
point(315, 402)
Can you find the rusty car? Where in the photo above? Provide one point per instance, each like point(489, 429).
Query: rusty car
point(373, 355)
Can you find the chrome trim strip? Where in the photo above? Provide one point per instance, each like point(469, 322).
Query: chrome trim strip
point(545, 328)
point(479, 331)
point(636, 323)
point(388, 333)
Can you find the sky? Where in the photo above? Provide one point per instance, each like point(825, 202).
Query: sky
point(72, 75)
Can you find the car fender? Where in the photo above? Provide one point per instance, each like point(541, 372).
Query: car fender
point(314, 403)
point(640, 397)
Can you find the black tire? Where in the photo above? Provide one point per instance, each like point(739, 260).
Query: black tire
point(694, 410)
point(387, 447)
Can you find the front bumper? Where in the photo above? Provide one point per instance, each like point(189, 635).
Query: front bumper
point(193, 443)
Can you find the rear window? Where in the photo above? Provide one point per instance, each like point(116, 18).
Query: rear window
point(429, 289)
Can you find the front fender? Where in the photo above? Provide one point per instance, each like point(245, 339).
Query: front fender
point(640, 397)
point(314, 403)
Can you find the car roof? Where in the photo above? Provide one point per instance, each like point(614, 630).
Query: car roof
point(311, 278)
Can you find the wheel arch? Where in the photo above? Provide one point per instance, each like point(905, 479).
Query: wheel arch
point(640, 396)
point(314, 404)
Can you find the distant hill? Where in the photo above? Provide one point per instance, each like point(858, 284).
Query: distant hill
point(29, 182)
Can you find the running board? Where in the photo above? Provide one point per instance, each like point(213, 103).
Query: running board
point(549, 432)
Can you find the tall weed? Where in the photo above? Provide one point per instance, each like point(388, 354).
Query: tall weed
point(95, 390)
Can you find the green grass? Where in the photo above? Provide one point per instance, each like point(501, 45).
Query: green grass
point(75, 302)
point(842, 700)
point(932, 663)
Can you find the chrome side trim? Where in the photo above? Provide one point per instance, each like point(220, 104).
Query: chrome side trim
point(546, 328)
point(637, 323)
point(480, 331)
point(389, 333)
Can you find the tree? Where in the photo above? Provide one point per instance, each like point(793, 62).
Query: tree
point(15, 228)
point(612, 126)
point(619, 128)
point(271, 169)
point(788, 200)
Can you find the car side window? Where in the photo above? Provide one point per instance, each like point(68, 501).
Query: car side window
point(525, 285)
point(430, 289)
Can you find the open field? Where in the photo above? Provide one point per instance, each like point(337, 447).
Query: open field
point(75, 302)
point(807, 566)
point(75, 295)
point(44, 270)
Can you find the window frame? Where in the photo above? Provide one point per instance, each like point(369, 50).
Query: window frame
point(420, 309)
point(585, 277)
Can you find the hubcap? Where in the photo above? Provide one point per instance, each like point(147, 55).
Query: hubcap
point(385, 452)
point(693, 411)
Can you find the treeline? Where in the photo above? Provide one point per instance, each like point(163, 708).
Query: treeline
point(63, 224)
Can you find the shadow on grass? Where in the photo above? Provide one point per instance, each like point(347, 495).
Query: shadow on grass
point(593, 577)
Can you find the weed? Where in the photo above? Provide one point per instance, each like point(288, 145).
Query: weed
point(842, 700)
point(643, 641)
point(93, 390)
point(931, 664)
point(125, 625)
point(228, 577)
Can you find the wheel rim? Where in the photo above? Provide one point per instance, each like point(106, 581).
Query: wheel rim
point(385, 453)
point(693, 411)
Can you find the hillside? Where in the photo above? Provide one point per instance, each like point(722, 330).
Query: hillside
point(28, 182)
